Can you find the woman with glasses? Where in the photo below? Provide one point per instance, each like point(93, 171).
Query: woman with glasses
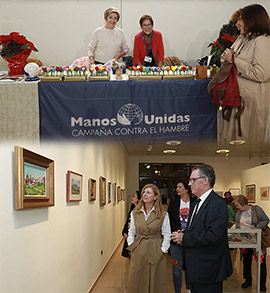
point(251, 57)
point(178, 211)
point(148, 44)
point(108, 42)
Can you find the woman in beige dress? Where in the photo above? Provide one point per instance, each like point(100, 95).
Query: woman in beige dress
point(148, 240)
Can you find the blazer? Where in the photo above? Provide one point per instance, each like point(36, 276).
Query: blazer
point(173, 211)
point(207, 255)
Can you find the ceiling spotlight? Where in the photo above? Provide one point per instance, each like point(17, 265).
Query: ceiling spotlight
point(148, 166)
point(237, 142)
point(224, 151)
point(169, 152)
point(173, 142)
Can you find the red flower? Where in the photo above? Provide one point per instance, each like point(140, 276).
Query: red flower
point(13, 44)
point(228, 37)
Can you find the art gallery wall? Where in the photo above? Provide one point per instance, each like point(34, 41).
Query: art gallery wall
point(228, 171)
point(260, 176)
point(61, 29)
point(65, 247)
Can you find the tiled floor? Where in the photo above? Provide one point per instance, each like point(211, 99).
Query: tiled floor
point(114, 277)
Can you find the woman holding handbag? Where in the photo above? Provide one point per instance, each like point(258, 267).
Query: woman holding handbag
point(250, 53)
point(254, 217)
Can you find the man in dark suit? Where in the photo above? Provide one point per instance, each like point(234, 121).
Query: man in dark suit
point(207, 255)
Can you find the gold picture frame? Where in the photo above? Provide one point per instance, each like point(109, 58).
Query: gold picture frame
point(251, 192)
point(264, 191)
point(92, 189)
point(102, 191)
point(74, 186)
point(34, 179)
point(118, 194)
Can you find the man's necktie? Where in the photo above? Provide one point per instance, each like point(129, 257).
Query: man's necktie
point(194, 211)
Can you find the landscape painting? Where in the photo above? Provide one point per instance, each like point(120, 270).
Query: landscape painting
point(34, 181)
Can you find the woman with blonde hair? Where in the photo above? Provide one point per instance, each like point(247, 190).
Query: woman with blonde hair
point(253, 217)
point(108, 42)
point(148, 240)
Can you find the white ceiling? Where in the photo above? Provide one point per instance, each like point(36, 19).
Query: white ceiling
point(142, 148)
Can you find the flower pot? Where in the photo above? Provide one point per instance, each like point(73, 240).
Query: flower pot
point(17, 62)
point(16, 68)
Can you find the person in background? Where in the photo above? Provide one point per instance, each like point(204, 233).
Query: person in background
point(178, 211)
point(229, 201)
point(148, 240)
point(253, 217)
point(207, 256)
point(165, 202)
point(250, 53)
point(233, 27)
point(135, 199)
point(108, 42)
point(148, 44)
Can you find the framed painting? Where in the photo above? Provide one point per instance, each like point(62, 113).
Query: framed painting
point(220, 193)
point(123, 194)
point(118, 194)
point(234, 191)
point(91, 189)
point(102, 191)
point(74, 186)
point(264, 192)
point(109, 192)
point(250, 192)
point(33, 178)
point(114, 187)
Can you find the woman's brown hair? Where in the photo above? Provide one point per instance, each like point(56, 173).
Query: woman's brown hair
point(157, 203)
point(146, 17)
point(256, 20)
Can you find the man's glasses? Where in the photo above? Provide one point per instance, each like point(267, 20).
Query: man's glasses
point(192, 180)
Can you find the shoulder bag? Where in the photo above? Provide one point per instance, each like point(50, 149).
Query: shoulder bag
point(265, 233)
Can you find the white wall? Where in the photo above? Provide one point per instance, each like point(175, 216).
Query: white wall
point(228, 171)
point(61, 29)
point(58, 249)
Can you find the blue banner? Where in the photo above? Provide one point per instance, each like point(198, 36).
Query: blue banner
point(127, 110)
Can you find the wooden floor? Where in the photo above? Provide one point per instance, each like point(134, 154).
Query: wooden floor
point(114, 277)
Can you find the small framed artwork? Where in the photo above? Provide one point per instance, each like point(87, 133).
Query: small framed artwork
point(34, 179)
point(265, 192)
point(109, 192)
point(234, 191)
point(123, 194)
point(102, 191)
point(91, 189)
point(114, 186)
point(74, 186)
point(250, 192)
point(220, 193)
point(118, 194)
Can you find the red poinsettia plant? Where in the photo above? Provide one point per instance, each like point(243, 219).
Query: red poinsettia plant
point(15, 49)
point(219, 46)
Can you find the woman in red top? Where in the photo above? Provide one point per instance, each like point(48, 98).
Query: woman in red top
point(148, 44)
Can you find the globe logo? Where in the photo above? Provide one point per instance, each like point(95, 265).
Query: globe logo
point(130, 114)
